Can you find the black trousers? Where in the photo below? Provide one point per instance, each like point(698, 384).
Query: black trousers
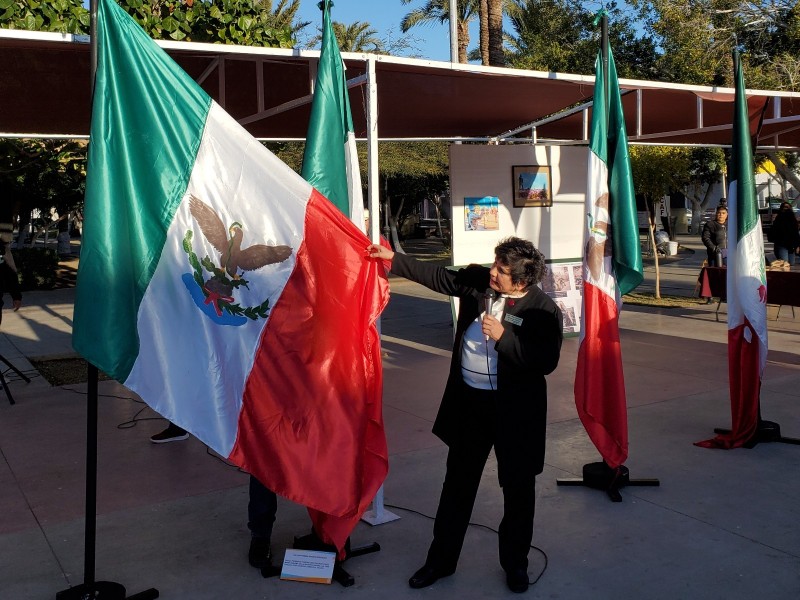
point(261, 509)
point(465, 462)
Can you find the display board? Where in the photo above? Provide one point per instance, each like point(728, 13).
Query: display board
point(534, 192)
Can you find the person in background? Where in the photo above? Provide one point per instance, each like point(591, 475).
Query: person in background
point(9, 281)
point(262, 506)
point(784, 234)
point(715, 236)
point(496, 396)
point(172, 433)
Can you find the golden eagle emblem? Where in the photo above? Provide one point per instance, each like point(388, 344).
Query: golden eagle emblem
point(216, 292)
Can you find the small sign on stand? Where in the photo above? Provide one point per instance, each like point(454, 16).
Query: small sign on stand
point(311, 566)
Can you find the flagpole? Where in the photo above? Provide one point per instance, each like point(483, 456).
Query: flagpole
point(610, 179)
point(91, 589)
point(604, 53)
point(453, 10)
point(740, 203)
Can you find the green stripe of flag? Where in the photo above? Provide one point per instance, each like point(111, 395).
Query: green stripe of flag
point(742, 168)
point(324, 164)
point(609, 142)
point(140, 160)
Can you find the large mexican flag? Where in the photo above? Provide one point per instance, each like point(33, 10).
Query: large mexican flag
point(225, 290)
point(746, 283)
point(612, 266)
point(330, 160)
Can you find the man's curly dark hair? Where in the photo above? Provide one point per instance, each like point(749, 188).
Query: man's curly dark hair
point(525, 262)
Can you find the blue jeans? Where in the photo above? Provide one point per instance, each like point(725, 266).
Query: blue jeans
point(782, 253)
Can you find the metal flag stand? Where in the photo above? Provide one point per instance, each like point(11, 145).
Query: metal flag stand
point(91, 589)
point(600, 475)
point(3, 378)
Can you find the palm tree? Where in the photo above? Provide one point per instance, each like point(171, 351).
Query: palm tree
point(439, 10)
point(356, 37)
point(494, 18)
point(484, 31)
point(283, 14)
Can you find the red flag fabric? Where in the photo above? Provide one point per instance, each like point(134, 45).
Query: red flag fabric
point(312, 400)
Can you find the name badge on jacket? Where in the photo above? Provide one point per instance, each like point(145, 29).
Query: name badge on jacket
point(513, 319)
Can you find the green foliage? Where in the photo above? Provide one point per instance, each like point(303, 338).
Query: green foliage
point(243, 22)
point(438, 11)
point(659, 170)
point(36, 268)
point(695, 39)
point(560, 36)
point(62, 16)
point(42, 174)
point(408, 170)
point(706, 165)
point(356, 37)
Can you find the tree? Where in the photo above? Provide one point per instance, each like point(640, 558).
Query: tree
point(483, 12)
point(434, 11)
point(47, 174)
point(63, 16)
point(705, 169)
point(494, 11)
point(409, 172)
point(696, 37)
point(657, 171)
point(787, 164)
point(357, 37)
point(245, 22)
point(42, 175)
point(561, 36)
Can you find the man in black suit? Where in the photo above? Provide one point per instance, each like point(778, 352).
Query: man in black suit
point(495, 395)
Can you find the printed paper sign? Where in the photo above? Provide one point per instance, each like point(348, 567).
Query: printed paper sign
point(311, 566)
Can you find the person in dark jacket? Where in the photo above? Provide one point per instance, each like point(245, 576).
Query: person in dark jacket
point(784, 234)
point(495, 396)
point(715, 235)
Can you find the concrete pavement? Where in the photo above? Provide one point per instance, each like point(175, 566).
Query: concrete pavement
point(722, 524)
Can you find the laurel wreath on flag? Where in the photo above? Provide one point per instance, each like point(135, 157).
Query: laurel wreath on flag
point(251, 312)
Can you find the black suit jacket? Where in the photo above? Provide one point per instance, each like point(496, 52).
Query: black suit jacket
point(527, 351)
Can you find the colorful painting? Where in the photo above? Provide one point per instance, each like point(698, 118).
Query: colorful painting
point(531, 184)
point(482, 214)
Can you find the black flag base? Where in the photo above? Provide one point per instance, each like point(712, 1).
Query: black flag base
point(313, 542)
point(103, 590)
point(767, 431)
point(600, 476)
point(19, 373)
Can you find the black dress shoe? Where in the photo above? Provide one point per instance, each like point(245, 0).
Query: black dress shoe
point(427, 575)
point(517, 580)
point(260, 554)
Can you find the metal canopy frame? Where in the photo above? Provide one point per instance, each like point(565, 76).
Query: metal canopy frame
point(46, 93)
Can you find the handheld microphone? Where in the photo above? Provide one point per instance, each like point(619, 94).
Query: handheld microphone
point(488, 300)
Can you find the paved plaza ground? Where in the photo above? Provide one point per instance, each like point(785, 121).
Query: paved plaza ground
point(722, 524)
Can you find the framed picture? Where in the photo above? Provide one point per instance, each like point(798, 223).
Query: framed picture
point(531, 185)
point(481, 214)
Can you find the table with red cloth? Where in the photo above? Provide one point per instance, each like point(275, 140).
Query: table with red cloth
point(783, 287)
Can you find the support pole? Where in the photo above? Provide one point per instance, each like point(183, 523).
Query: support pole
point(377, 515)
point(91, 589)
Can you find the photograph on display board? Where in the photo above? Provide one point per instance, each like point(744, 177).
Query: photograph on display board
point(577, 274)
point(531, 185)
point(563, 282)
point(481, 214)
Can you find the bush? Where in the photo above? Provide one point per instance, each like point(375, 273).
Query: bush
point(36, 268)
